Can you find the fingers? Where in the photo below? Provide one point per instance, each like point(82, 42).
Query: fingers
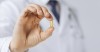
point(47, 33)
point(40, 11)
point(47, 14)
point(29, 10)
point(34, 36)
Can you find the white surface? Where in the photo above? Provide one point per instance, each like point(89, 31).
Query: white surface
point(89, 17)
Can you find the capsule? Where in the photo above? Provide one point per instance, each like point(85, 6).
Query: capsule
point(51, 23)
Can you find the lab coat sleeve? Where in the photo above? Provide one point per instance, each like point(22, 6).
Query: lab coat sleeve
point(8, 13)
point(77, 37)
point(8, 16)
point(4, 44)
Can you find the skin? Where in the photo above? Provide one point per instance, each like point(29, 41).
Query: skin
point(27, 32)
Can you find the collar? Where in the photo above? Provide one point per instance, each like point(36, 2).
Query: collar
point(43, 2)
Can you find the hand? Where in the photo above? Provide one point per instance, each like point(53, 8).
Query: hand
point(27, 31)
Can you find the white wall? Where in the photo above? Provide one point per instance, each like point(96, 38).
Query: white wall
point(89, 17)
point(1, 0)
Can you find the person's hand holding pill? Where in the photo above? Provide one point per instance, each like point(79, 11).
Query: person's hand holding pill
point(27, 31)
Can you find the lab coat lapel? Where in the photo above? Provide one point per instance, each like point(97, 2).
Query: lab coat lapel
point(64, 23)
point(64, 19)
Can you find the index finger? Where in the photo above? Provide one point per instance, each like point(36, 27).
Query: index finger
point(47, 14)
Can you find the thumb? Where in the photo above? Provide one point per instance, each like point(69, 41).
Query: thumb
point(47, 33)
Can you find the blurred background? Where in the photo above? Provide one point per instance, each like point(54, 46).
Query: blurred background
point(89, 18)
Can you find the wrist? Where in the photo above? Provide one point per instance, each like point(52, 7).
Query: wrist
point(15, 48)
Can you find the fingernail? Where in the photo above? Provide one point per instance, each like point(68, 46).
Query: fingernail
point(51, 28)
point(51, 18)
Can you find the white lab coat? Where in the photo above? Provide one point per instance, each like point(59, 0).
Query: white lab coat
point(67, 36)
